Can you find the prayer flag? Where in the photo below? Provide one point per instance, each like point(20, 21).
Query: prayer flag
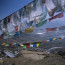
point(51, 39)
point(3, 43)
point(59, 38)
point(10, 44)
point(24, 46)
point(0, 37)
point(57, 16)
point(16, 34)
point(9, 18)
point(28, 45)
point(31, 45)
point(37, 44)
point(29, 30)
point(43, 41)
point(51, 29)
point(6, 44)
point(14, 43)
point(50, 6)
point(54, 39)
point(41, 23)
point(43, 1)
point(47, 40)
point(34, 45)
point(18, 44)
point(16, 28)
point(21, 45)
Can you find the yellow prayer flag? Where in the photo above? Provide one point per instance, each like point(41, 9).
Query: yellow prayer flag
point(3, 43)
point(54, 39)
point(29, 30)
point(21, 45)
point(37, 44)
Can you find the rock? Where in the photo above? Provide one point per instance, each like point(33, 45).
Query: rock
point(61, 53)
point(10, 54)
point(34, 55)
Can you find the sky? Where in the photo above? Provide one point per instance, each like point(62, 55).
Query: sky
point(8, 7)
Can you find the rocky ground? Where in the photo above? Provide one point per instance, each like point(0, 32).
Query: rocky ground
point(27, 59)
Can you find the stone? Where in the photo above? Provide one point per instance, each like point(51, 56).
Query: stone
point(33, 55)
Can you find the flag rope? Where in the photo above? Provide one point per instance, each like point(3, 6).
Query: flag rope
point(32, 44)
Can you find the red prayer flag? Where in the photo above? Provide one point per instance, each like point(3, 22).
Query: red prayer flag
point(0, 37)
point(57, 16)
point(44, 41)
point(59, 39)
point(9, 17)
point(10, 44)
point(16, 28)
point(51, 29)
point(43, 1)
point(28, 45)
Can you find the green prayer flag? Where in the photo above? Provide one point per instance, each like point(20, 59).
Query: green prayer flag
point(42, 20)
point(41, 23)
point(24, 46)
point(44, 16)
point(7, 45)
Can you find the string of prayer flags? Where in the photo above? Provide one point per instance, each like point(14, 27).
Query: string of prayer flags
point(29, 30)
point(51, 29)
point(41, 23)
point(60, 15)
point(35, 44)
